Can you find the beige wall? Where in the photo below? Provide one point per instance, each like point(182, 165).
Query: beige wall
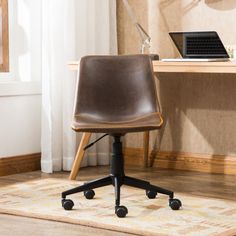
point(199, 110)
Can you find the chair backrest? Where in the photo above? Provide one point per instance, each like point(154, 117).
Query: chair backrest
point(115, 88)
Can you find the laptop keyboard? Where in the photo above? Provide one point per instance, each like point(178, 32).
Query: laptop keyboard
point(204, 45)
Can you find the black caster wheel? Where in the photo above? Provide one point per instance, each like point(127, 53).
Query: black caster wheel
point(67, 204)
point(89, 194)
point(151, 194)
point(175, 204)
point(121, 211)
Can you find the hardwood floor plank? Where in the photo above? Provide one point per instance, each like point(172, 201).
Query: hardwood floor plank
point(27, 226)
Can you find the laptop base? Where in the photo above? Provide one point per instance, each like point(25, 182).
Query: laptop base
point(196, 59)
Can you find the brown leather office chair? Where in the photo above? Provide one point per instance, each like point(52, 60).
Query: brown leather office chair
point(116, 95)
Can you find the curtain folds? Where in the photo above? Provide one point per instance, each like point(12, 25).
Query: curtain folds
point(70, 29)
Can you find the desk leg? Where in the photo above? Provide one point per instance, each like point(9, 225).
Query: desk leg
point(79, 155)
point(145, 148)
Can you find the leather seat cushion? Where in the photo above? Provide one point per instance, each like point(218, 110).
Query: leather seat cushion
point(86, 123)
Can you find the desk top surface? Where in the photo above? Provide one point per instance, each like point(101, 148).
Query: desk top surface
point(185, 67)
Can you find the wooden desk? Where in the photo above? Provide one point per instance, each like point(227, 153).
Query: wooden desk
point(195, 67)
point(185, 67)
point(158, 67)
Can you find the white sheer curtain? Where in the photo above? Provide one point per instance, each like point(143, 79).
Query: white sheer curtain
point(70, 30)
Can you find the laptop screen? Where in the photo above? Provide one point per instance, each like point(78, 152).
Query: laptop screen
point(203, 44)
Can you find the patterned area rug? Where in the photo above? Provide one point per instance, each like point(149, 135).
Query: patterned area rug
point(198, 216)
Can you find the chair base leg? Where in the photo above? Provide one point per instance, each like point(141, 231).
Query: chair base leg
point(117, 178)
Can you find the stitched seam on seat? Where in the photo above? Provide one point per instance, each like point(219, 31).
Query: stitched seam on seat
point(123, 126)
point(141, 117)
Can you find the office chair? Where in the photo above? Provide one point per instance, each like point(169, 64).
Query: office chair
point(116, 95)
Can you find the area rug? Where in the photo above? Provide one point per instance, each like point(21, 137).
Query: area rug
point(198, 217)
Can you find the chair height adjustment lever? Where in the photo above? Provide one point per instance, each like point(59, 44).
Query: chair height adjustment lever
point(91, 144)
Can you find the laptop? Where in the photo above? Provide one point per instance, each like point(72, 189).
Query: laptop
point(198, 46)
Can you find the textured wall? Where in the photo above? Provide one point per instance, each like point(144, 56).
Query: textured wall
point(199, 109)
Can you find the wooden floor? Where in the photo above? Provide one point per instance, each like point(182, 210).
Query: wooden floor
point(194, 183)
